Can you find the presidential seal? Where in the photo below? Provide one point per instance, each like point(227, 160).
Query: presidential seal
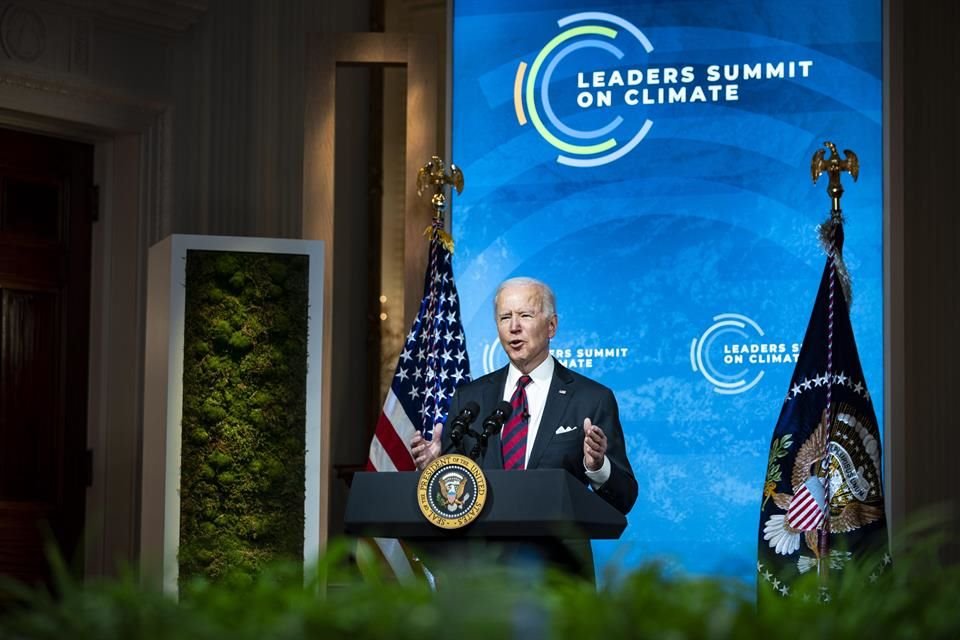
point(452, 491)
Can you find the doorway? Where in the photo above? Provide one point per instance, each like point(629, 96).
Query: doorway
point(46, 212)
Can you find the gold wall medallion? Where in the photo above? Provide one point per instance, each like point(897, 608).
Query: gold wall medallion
point(452, 491)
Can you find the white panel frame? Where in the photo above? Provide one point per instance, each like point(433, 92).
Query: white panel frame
point(163, 396)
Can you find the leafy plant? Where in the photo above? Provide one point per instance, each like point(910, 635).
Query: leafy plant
point(349, 596)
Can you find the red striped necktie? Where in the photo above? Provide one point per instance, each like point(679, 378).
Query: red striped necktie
point(513, 440)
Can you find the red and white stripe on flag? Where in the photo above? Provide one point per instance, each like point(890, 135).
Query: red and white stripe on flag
point(808, 506)
point(390, 448)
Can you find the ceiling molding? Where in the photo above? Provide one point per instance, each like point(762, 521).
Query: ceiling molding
point(164, 16)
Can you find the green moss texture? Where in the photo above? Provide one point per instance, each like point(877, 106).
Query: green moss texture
point(244, 399)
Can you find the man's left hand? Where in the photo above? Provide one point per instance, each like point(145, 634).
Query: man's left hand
point(594, 445)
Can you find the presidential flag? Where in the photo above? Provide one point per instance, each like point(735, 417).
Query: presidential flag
point(822, 505)
point(431, 365)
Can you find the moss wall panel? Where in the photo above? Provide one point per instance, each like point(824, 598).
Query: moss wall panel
point(244, 398)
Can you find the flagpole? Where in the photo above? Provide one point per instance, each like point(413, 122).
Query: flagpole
point(432, 363)
point(832, 237)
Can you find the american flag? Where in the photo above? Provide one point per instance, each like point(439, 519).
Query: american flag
point(431, 365)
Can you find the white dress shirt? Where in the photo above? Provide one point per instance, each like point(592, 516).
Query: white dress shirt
point(537, 389)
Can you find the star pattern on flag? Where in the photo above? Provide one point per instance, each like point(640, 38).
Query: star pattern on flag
point(819, 380)
point(430, 366)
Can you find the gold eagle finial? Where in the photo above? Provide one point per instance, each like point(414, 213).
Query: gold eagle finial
point(834, 165)
point(433, 173)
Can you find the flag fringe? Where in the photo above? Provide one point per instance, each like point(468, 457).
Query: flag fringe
point(442, 236)
point(828, 232)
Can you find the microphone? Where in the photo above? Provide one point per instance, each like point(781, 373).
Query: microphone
point(494, 422)
point(464, 419)
point(491, 425)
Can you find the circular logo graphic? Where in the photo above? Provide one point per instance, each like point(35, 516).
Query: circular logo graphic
point(732, 353)
point(582, 35)
point(452, 491)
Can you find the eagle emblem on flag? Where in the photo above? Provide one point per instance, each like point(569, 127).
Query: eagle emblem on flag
point(853, 480)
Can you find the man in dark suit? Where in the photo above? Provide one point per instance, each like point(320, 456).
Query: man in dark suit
point(561, 419)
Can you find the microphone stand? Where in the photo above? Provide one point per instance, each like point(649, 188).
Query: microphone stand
point(491, 425)
point(460, 427)
point(480, 448)
point(458, 443)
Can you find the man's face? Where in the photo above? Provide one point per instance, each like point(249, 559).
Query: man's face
point(525, 331)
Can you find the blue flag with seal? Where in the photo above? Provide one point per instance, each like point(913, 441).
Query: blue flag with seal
point(822, 505)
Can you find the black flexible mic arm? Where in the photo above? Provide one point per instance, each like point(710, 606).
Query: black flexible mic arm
point(491, 425)
point(460, 425)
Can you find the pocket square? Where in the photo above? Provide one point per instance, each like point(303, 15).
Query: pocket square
point(561, 430)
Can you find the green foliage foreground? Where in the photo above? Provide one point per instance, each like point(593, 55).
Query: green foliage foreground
point(919, 598)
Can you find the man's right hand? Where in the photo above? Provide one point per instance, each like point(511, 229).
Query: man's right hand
point(424, 452)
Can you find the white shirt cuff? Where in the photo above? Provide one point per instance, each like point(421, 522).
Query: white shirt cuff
point(601, 475)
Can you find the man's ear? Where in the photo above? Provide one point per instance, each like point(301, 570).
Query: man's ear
point(553, 326)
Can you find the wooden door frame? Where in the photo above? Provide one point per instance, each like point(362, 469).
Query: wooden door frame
point(132, 157)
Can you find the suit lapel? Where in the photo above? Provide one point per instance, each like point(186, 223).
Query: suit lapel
point(492, 395)
point(561, 390)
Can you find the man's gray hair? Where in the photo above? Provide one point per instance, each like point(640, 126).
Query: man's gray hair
point(548, 301)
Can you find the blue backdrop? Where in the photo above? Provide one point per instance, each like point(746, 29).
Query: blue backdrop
point(651, 161)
